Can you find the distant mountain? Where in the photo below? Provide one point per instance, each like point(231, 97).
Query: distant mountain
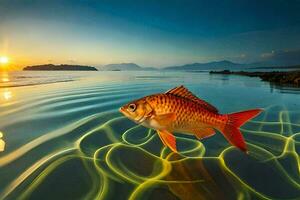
point(124, 67)
point(224, 64)
point(51, 67)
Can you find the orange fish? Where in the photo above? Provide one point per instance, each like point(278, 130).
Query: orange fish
point(178, 110)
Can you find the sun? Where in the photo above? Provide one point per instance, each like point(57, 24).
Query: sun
point(4, 60)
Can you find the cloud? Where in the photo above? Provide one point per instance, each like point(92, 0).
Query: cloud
point(72, 61)
point(267, 55)
point(282, 57)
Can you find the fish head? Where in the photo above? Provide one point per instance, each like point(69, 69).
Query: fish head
point(137, 111)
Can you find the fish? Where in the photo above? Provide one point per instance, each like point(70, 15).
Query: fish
point(179, 111)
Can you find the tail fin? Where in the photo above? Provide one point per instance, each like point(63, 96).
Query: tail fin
point(235, 121)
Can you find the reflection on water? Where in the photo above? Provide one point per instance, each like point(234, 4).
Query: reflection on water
point(68, 141)
point(2, 143)
point(7, 95)
point(5, 79)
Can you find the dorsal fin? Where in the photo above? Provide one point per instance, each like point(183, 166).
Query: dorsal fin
point(181, 91)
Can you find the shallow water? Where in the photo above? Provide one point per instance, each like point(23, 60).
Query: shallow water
point(63, 138)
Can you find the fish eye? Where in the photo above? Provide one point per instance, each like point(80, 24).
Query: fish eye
point(132, 107)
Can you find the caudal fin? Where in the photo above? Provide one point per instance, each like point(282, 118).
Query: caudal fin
point(235, 121)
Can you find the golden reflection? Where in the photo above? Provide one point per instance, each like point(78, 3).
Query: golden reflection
point(4, 77)
point(2, 143)
point(7, 95)
point(190, 179)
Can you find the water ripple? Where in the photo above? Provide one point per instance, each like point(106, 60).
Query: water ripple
point(73, 143)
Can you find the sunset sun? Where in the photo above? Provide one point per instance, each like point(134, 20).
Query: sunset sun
point(4, 60)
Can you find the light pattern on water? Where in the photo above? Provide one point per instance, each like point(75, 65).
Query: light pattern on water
point(67, 141)
point(2, 142)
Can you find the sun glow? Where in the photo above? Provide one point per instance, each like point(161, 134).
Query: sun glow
point(7, 95)
point(4, 60)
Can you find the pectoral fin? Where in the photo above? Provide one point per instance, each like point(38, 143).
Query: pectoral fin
point(165, 119)
point(168, 139)
point(201, 133)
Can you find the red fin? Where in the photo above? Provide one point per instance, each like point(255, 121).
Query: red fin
point(168, 139)
point(181, 91)
point(240, 118)
point(231, 130)
point(201, 133)
point(235, 137)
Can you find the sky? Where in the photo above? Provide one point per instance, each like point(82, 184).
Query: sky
point(151, 33)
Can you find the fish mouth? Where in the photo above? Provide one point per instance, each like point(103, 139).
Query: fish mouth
point(125, 113)
point(122, 110)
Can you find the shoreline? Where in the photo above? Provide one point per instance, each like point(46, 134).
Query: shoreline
point(284, 78)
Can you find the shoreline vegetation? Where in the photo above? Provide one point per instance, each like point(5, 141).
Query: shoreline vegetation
point(213, 66)
point(290, 78)
point(63, 67)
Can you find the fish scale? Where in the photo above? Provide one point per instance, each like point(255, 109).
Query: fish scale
point(188, 114)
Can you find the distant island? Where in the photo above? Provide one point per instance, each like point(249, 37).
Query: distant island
point(291, 78)
point(63, 67)
point(193, 67)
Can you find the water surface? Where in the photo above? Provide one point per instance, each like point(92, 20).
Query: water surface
point(62, 137)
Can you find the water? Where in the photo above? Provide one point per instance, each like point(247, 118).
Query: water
point(62, 137)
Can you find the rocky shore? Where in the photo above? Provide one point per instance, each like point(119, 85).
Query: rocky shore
point(291, 78)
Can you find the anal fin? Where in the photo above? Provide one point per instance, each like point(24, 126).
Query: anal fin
point(201, 133)
point(168, 139)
